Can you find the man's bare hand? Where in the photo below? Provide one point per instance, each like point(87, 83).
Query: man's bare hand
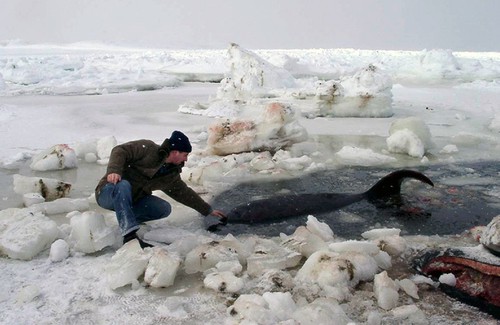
point(113, 178)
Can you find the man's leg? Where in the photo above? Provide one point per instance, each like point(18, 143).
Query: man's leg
point(118, 197)
point(151, 208)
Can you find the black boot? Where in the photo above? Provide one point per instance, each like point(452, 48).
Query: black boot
point(133, 235)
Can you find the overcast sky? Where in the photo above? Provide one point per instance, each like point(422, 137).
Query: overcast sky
point(459, 25)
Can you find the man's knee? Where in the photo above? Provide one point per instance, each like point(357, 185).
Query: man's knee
point(123, 186)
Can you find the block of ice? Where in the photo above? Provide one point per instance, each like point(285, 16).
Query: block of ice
point(393, 245)
point(89, 232)
point(304, 241)
point(410, 136)
point(127, 265)
point(62, 205)
point(49, 188)
point(491, 235)
point(269, 255)
point(103, 147)
point(32, 198)
point(271, 128)
point(409, 314)
point(448, 279)
point(252, 309)
point(281, 303)
point(319, 228)
point(162, 268)
point(409, 287)
point(60, 156)
point(206, 256)
point(386, 291)
point(224, 281)
point(27, 236)
point(355, 246)
point(59, 250)
point(380, 232)
point(321, 311)
point(327, 269)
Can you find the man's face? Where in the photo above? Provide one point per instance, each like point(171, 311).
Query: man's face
point(177, 157)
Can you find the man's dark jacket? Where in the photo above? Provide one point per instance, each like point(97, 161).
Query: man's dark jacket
point(139, 161)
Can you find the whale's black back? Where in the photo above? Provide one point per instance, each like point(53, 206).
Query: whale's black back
point(418, 210)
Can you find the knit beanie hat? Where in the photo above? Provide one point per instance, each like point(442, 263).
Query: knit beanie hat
point(180, 142)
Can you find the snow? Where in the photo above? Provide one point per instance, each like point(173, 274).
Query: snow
point(250, 115)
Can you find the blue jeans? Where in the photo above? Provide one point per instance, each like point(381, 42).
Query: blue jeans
point(118, 197)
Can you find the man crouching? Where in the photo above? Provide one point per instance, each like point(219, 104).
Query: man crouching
point(135, 170)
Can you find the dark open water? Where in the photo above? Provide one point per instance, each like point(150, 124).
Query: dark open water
point(458, 201)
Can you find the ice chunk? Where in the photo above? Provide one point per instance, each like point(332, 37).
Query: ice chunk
point(409, 287)
point(89, 232)
point(350, 155)
point(243, 247)
point(59, 250)
point(86, 147)
point(234, 267)
point(394, 245)
point(181, 245)
point(127, 265)
point(294, 163)
point(329, 271)
point(274, 281)
point(448, 278)
point(59, 206)
point(274, 127)
point(420, 279)
point(383, 260)
point(449, 149)
point(330, 268)
point(381, 232)
point(355, 246)
point(49, 188)
point(321, 311)
point(206, 256)
point(262, 161)
point(104, 147)
point(251, 76)
point(368, 93)
point(374, 318)
point(410, 136)
point(60, 156)
point(32, 198)
point(29, 235)
point(224, 281)
point(491, 235)
point(364, 266)
point(386, 291)
point(439, 63)
point(320, 229)
point(162, 268)
point(304, 242)
point(410, 314)
point(281, 303)
point(252, 309)
point(269, 255)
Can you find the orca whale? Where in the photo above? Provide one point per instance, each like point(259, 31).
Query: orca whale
point(279, 207)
